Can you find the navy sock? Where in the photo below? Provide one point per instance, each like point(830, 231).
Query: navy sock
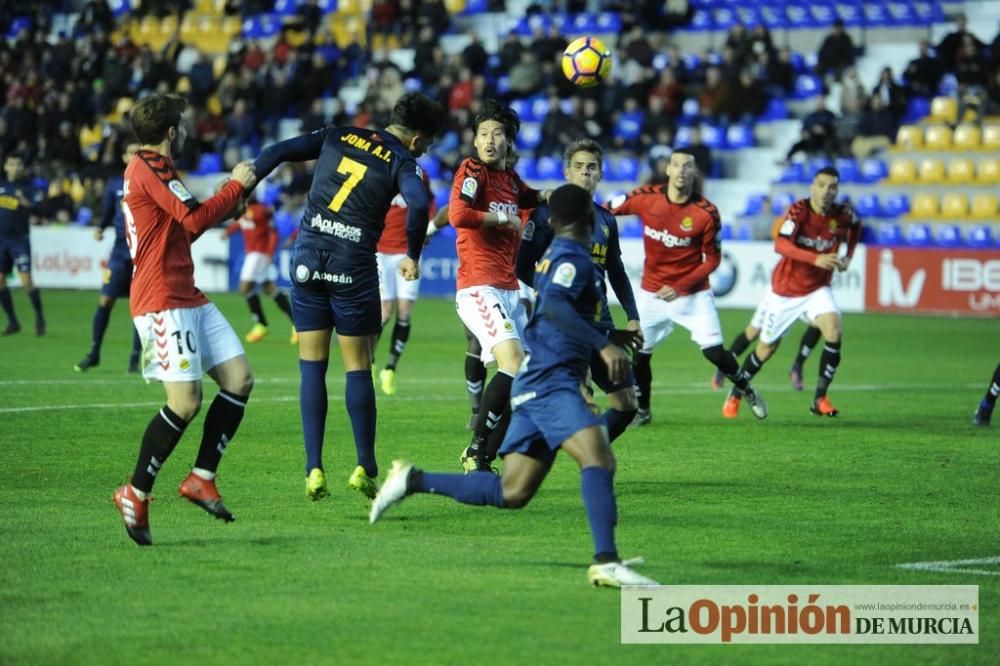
point(828, 362)
point(313, 405)
point(221, 422)
point(100, 325)
point(7, 303)
point(643, 378)
point(281, 299)
point(751, 366)
point(616, 422)
point(596, 486)
point(479, 488)
point(359, 397)
point(36, 302)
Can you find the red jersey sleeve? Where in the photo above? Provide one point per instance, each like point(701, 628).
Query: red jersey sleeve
point(631, 203)
point(469, 185)
point(784, 244)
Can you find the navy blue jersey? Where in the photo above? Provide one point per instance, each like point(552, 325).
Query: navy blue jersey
point(605, 251)
point(358, 173)
point(113, 216)
point(564, 328)
point(17, 201)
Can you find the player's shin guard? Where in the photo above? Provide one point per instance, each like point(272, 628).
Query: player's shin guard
point(313, 405)
point(809, 341)
point(481, 489)
point(496, 402)
point(221, 422)
point(281, 300)
point(99, 327)
point(253, 302)
point(643, 378)
point(400, 334)
point(475, 378)
point(359, 398)
point(828, 363)
point(158, 442)
point(7, 303)
point(597, 488)
point(617, 422)
point(740, 344)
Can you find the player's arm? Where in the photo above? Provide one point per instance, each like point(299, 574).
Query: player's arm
point(300, 149)
point(711, 250)
point(109, 208)
point(414, 192)
point(528, 196)
point(785, 245)
point(627, 204)
point(535, 238)
point(556, 302)
point(853, 236)
point(272, 241)
point(197, 216)
point(466, 189)
point(617, 276)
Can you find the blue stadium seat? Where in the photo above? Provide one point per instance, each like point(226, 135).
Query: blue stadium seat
point(724, 17)
point(84, 216)
point(739, 136)
point(475, 7)
point(628, 228)
point(585, 23)
point(889, 233)
point(849, 170)
point(682, 138)
point(868, 235)
point(624, 170)
point(868, 206)
point(208, 164)
point(701, 21)
point(903, 13)
point(949, 235)
point(773, 16)
point(714, 58)
point(798, 63)
point(776, 109)
point(661, 61)
point(822, 14)
point(120, 8)
point(549, 168)
point(755, 204)
point(873, 170)
point(876, 15)
point(442, 196)
point(781, 202)
point(503, 84)
point(928, 11)
point(529, 137)
point(690, 61)
point(609, 22)
point(629, 125)
point(916, 109)
point(527, 166)
point(851, 13)
point(327, 6)
point(713, 137)
point(286, 7)
point(540, 108)
point(896, 205)
point(690, 111)
point(17, 25)
point(431, 166)
point(807, 86)
point(749, 15)
point(980, 235)
point(919, 235)
point(799, 17)
point(522, 107)
point(285, 223)
point(716, 170)
point(727, 231)
point(813, 167)
point(948, 86)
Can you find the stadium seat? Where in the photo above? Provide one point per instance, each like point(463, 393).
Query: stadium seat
point(682, 138)
point(84, 216)
point(624, 170)
point(286, 7)
point(961, 171)
point(937, 137)
point(629, 126)
point(755, 204)
point(954, 205)
point(781, 202)
point(850, 13)
point(919, 235)
point(980, 235)
point(873, 170)
point(902, 171)
point(928, 12)
point(991, 137)
point(794, 172)
point(888, 233)
point(530, 136)
point(896, 205)
point(917, 108)
point(868, 206)
point(798, 17)
point(944, 110)
point(540, 108)
point(931, 171)
point(208, 163)
point(701, 21)
point(724, 17)
point(868, 235)
point(967, 137)
point(924, 206)
point(909, 137)
point(949, 235)
point(739, 136)
point(549, 168)
point(776, 109)
point(609, 22)
point(988, 172)
point(984, 206)
point(849, 170)
point(431, 166)
point(773, 16)
point(690, 111)
point(522, 107)
point(713, 137)
point(748, 14)
point(807, 86)
point(822, 14)
point(948, 85)
point(876, 15)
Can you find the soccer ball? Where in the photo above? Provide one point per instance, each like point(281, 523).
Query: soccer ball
point(586, 62)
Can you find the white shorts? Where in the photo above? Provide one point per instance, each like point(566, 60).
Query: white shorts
point(757, 320)
point(780, 312)
point(695, 312)
point(493, 315)
point(182, 344)
point(391, 285)
point(257, 268)
point(527, 294)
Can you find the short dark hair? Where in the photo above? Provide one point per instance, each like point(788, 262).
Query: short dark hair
point(495, 110)
point(584, 146)
point(828, 171)
point(684, 151)
point(419, 113)
point(153, 116)
point(570, 205)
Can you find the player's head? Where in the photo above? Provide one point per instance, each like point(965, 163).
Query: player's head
point(682, 171)
point(495, 127)
point(13, 166)
point(824, 188)
point(130, 145)
point(571, 209)
point(584, 164)
point(160, 118)
point(417, 120)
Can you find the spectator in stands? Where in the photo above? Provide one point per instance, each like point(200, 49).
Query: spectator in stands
point(760, 42)
point(876, 129)
point(653, 123)
point(715, 98)
point(731, 66)
point(951, 46)
point(474, 56)
point(638, 47)
point(628, 125)
point(739, 41)
point(780, 72)
point(559, 128)
point(310, 17)
point(593, 120)
point(669, 91)
point(510, 51)
point(836, 53)
point(892, 96)
point(433, 14)
point(923, 74)
point(748, 99)
point(819, 135)
point(852, 92)
point(972, 76)
point(525, 76)
point(702, 153)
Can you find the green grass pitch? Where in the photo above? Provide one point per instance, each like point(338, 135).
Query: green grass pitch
point(900, 477)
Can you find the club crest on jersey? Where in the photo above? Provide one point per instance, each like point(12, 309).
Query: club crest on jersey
point(833, 225)
point(184, 365)
point(469, 187)
point(177, 187)
point(565, 273)
point(687, 224)
point(507, 326)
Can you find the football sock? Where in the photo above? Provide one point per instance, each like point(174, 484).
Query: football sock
point(809, 341)
point(359, 398)
point(8, 306)
point(751, 366)
point(740, 344)
point(479, 488)
point(400, 334)
point(36, 302)
point(253, 302)
point(596, 486)
point(643, 378)
point(136, 344)
point(313, 405)
point(281, 299)
point(828, 363)
point(221, 422)
point(475, 377)
point(495, 438)
point(496, 399)
point(100, 325)
point(616, 422)
point(159, 440)
point(990, 399)
point(726, 362)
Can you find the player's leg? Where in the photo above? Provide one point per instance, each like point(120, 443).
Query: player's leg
point(475, 375)
point(22, 264)
point(984, 412)
point(117, 280)
point(253, 272)
point(98, 328)
point(810, 338)
point(494, 414)
point(400, 332)
point(270, 288)
point(829, 324)
point(654, 316)
point(406, 292)
point(739, 345)
point(622, 401)
point(6, 302)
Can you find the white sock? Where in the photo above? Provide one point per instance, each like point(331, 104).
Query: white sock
point(204, 473)
point(138, 493)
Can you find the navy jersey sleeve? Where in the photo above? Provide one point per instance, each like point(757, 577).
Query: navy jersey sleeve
point(617, 276)
point(535, 238)
point(109, 205)
point(414, 191)
point(300, 149)
point(571, 275)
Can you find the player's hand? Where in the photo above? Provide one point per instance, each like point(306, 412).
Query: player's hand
point(244, 173)
point(409, 269)
point(666, 293)
point(827, 261)
point(630, 340)
point(633, 325)
point(843, 263)
point(98, 234)
point(617, 362)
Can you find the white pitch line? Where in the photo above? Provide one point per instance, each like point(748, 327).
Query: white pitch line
point(954, 566)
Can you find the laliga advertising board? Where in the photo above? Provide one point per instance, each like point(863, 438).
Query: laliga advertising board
point(744, 276)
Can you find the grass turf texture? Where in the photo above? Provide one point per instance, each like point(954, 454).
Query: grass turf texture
point(901, 476)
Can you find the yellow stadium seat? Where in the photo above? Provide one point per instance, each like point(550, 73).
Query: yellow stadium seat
point(902, 171)
point(944, 110)
point(967, 137)
point(937, 137)
point(991, 137)
point(349, 7)
point(985, 206)
point(988, 172)
point(455, 6)
point(231, 25)
point(909, 137)
point(923, 205)
point(961, 170)
point(931, 171)
point(954, 205)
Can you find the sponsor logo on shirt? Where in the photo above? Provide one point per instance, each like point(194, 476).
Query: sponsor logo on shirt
point(334, 278)
point(820, 244)
point(336, 229)
point(509, 209)
point(667, 238)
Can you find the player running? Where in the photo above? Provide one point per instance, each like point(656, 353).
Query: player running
point(549, 411)
point(334, 271)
